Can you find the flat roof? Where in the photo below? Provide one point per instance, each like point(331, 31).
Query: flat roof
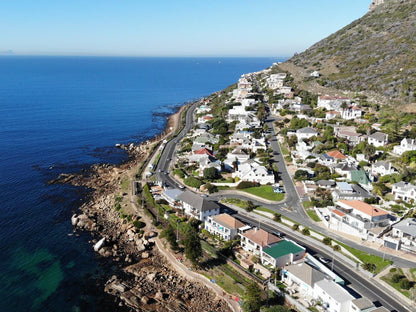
point(334, 290)
point(283, 248)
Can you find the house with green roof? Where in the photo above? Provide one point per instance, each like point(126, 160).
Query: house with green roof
point(361, 177)
point(282, 253)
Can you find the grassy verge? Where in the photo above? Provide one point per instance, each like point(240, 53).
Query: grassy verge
point(236, 201)
point(368, 258)
point(312, 214)
point(264, 209)
point(266, 192)
point(388, 279)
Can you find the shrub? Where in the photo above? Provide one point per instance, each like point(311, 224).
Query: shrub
point(295, 227)
point(396, 278)
point(247, 184)
point(337, 247)
point(277, 217)
point(405, 284)
point(392, 270)
point(211, 188)
point(139, 224)
point(306, 231)
point(327, 241)
point(180, 173)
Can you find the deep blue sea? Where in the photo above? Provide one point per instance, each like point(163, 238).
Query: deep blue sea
point(62, 114)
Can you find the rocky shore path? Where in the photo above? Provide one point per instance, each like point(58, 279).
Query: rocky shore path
point(182, 269)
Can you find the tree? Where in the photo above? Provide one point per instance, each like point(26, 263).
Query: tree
point(337, 247)
point(169, 233)
point(193, 182)
point(253, 299)
point(277, 217)
point(211, 188)
point(327, 241)
point(192, 243)
point(250, 206)
point(211, 174)
point(306, 231)
point(295, 227)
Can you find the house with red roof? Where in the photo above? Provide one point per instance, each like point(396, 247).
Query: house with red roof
point(225, 226)
point(358, 218)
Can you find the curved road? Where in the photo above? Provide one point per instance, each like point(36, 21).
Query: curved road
point(291, 207)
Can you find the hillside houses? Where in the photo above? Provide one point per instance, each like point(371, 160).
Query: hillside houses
point(406, 145)
point(378, 139)
point(252, 171)
point(332, 103)
point(404, 191)
point(198, 207)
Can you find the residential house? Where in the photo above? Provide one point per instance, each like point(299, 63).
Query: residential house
point(200, 154)
point(326, 184)
point(205, 118)
point(349, 191)
point(303, 276)
point(332, 102)
point(282, 253)
point(404, 191)
point(382, 168)
point(224, 226)
point(333, 297)
point(171, 196)
point(255, 240)
point(361, 305)
point(254, 144)
point(378, 139)
point(275, 81)
point(345, 169)
point(369, 215)
point(405, 146)
point(306, 133)
point(351, 112)
point(331, 115)
point(303, 150)
point(237, 155)
point(198, 207)
point(405, 232)
point(360, 176)
point(252, 171)
point(349, 133)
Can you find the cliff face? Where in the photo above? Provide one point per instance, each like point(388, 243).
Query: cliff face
point(375, 53)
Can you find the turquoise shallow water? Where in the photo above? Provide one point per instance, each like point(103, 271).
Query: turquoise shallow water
point(62, 114)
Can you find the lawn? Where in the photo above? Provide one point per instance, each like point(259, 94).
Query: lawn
point(368, 258)
point(266, 192)
point(236, 201)
point(312, 214)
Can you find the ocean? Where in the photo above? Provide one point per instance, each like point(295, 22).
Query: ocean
point(61, 115)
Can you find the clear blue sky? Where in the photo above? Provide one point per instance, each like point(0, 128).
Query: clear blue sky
point(171, 27)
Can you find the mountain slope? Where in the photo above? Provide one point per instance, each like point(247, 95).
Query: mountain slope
point(376, 53)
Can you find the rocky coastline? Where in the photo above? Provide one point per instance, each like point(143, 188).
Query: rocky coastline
point(146, 280)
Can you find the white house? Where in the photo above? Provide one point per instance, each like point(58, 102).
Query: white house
point(255, 239)
point(236, 155)
point(303, 276)
point(332, 102)
point(224, 226)
point(282, 253)
point(306, 133)
point(252, 171)
point(369, 215)
point(405, 146)
point(382, 168)
point(331, 115)
point(378, 139)
point(171, 196)
point(275, 81)
point(333, 296)
point(404, 191)
point(351, 112)
point(404, 235)
point(198, 207)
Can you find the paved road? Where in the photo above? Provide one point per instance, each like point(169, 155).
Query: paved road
point(355, 281)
